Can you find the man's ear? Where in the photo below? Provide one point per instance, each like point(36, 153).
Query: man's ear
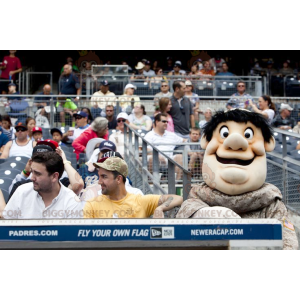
point(203, 142)
point(269, 146)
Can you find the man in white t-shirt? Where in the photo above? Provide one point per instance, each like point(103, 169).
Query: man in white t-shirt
point(165, 141)
point(81, 120)
point(103, 97)
point(44, 197)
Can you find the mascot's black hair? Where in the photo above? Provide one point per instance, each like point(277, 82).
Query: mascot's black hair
point(239, 116)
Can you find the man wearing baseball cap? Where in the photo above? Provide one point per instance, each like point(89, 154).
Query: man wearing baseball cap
point(21, 146)
point(177, 69)
point(283, 120)
point(102, 98)
point(147, 69)
point(116, 202)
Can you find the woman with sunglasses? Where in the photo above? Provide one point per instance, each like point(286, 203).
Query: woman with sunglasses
point(158, 78)
point(165, 105)
point(7, 127)
point(138, 119)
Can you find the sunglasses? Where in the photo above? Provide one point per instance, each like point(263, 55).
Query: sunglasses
point(21, 129)
point(164, 121)
point(241, 86)
point(108, 110)
point(78, 118)
point(121, 120)
point(164, 85)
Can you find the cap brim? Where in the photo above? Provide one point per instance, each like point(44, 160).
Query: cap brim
point(48, 144)
point(106, 148)
point(21, 126)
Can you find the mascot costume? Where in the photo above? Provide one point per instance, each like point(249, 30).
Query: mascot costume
point(234, 173)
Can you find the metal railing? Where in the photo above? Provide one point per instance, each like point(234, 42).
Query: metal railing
point(136, 154)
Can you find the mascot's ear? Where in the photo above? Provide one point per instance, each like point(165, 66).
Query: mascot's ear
point(269, 146)
point(203, 142)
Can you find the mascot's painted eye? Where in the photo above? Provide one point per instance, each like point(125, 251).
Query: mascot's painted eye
point(224, 132)
point(248, 134)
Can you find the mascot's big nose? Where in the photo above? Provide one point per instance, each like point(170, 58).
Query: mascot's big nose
point(236, 142)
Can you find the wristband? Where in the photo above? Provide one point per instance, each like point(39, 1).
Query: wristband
point(26, 173)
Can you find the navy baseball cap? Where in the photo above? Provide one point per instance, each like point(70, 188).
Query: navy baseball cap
point(21, 124)
point(12, 84)
point(81, 114)
point(104, 82)
point(107, 145)
point(56, 130)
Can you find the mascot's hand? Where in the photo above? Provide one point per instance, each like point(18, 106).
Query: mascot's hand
point(215, 212)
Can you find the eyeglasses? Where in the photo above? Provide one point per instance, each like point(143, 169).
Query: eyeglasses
point(164, 85)
point(108, 110)
point(241, 85)
point(164, 121)
point(121, 120)
point(21, 129)
point(78, 118)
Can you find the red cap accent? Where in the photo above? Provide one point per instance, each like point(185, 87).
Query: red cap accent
point(37, 129)
point(50, 143)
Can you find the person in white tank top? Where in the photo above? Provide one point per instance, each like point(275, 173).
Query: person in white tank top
point(21, 146)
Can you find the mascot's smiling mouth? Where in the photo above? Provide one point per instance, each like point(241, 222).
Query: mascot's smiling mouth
point(234, 161)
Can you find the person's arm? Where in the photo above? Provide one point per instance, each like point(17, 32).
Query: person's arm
point(148, 125)
point(192, 120)
point(2, 203)
point(255, 109)
point(15, 72)
point(165, 203)
point(5, 152)
point(76, 181)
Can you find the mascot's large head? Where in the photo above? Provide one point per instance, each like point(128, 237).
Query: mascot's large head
point(236, 143)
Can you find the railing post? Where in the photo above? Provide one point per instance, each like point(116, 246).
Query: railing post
point(284, 166)
point(155, 168)
point(144, 165)
point(171, 179)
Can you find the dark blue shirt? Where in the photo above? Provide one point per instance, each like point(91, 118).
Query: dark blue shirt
point(42, 99)
point(3, 139)
point(69, 84)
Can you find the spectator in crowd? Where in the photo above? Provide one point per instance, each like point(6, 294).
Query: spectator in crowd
point(12, 90)
point(124, 69)
point(112, 178)
point(68, 85)
point(37, 134)
point(283, 120)
point(296, 129)
point(216, 63)
point(21, 146)
point(286, 70)
point(165, 106)
point(177, 69)
point(164, 93)
point(194, 72)
point(181, 111)
point(57, 136)
point(118, 137)
point(128, 100)
point(40, 101)
point(10, 66)
point(3, 138)
point(266, 107)
point(199, 64)
point(139, 74)
point(195, 134)
point(224, 71)
point(138, 119)
point(169, 66)
point(102, 98)
point(99, 128)
point(165, 141)
point(88, 112)
point(147, 70)
point(30, 123)
point(155, 65)
point(194, 98)
point(58, 201)
point(270, 68)
point(7, 127)
point(98, 153)
point(240, 99)
point(158, 78)
point(207, 117)
point(69, 62)
point(110, 116)
point(207, 70)
point(81, 119)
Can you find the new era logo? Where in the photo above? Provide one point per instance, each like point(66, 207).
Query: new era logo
point(156, 233)
point(162, 233)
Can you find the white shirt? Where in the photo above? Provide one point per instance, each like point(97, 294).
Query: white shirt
point(271, 114)
point(77, 132)
point(104, 99)
point(26, 203)
point(167, 138)
point(202, 123)
point(17, 150)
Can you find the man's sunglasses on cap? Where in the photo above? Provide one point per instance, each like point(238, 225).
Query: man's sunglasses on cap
point(21, 129)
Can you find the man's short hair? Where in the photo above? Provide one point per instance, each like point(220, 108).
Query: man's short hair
point(116, 174)
point(241, 81)
point(109, 105)
point(177, 84)
point(195, 129)
point(239, 116)
point(157, 118)
point(51, 160)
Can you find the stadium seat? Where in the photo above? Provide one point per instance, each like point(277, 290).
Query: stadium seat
point(18, 165)
point(72, 158)
point(5, 183)
point(22, 159)
point(5, 195)
point(67, 149)
point(9, 173)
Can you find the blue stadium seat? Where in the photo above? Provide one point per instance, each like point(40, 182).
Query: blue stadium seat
point(18, 165)
point(5, 195)
point(5, 184)
point(9, 173)
point(22, 159)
